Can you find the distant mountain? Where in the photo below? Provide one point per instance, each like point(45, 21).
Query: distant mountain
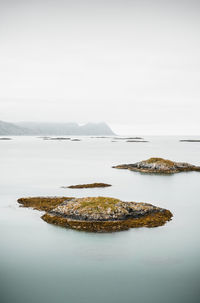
point(54, 129)
point(11, 129)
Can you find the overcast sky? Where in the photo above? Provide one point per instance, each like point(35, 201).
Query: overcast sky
point(134, 64)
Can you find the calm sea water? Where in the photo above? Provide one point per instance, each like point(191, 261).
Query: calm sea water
point(43, 263)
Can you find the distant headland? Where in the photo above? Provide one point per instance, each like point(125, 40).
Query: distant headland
point(54, 129)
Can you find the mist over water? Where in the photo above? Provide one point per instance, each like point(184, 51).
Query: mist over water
point(44, 263)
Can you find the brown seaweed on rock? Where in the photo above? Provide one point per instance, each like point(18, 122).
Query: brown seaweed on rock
point(42, 203)
point(150, 220)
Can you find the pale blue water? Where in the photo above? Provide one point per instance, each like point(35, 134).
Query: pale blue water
point(43, 263)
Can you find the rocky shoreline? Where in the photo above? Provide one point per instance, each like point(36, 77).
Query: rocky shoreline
point(97, 214)
point(159, 165)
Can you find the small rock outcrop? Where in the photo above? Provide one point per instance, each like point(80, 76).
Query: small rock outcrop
point(128, 138)
point(5, 138)
point(190, 140)
point(56, 138)
point(138, 141)
point(90, 185)
point(98, 214)
point(159, 165)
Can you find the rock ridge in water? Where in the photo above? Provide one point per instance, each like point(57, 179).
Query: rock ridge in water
point(159, 165)
point(190, 140)
point(98, 214)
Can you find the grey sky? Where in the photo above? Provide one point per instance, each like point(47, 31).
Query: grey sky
point(133, 64)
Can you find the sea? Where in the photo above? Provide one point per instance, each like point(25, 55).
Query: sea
point(43, 263)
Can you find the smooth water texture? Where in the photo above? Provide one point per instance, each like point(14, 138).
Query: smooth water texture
point(44, 263)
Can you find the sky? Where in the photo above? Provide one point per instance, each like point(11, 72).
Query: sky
point(134, 64)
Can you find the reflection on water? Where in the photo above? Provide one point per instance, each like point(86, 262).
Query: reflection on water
point(45, 263)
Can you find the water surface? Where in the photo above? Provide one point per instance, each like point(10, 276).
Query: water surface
point(44, 263)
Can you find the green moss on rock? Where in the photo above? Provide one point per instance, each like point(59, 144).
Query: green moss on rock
point(159, 161)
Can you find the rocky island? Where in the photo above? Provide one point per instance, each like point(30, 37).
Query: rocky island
point(159, 165)
point(97, 214)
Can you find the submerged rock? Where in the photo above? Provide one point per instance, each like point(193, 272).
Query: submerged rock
point(98, 214)
point(99, 137)
point(159, 165)
point(56, 138)
point(91, 185)
point(138, 141)
point(128, 138)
